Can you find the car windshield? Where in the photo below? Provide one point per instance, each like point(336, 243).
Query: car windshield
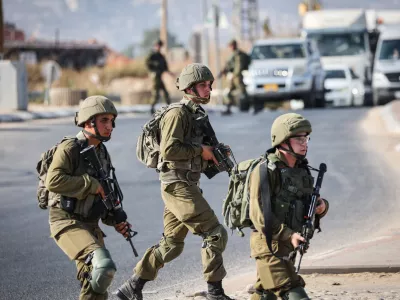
point(390, 50)
point(339, 44)
point(285, 51)
point(334, 74)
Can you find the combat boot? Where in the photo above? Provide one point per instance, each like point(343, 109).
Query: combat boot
point(216, 292)
point(131, 289)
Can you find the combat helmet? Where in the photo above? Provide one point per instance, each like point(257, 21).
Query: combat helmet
point(192, 74)
point(286, 126)
point(91, 107)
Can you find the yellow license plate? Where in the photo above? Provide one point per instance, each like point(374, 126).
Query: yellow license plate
point(271, 87)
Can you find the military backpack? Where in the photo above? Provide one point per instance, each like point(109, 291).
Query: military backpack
point(245, 60)
point(42, 168)
point(235, 208)
point(148, 143)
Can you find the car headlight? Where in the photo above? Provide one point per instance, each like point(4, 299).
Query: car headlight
point(258, 72)
point(281, 73)
point(355, 91)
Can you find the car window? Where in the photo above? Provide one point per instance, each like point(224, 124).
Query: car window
point(334, 74)
point(390, 50)
point(284, 51)
point(339, 44)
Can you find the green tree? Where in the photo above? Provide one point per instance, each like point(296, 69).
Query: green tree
point(152, 35)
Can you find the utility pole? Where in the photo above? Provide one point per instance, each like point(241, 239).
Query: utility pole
point(245, 20)
point(310, 5)
point(216, 44)
point(1, 31)
point(164, 25)
point(204, 35)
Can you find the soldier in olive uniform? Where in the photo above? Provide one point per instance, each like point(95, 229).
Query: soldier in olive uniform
point(236, 64)
point(157, 65)
point(183, 157)
point(75, 199)
point(290, 182)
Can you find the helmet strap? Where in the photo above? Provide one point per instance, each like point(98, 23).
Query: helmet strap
point(97, 135)
point(291, 152)
point(197, 98)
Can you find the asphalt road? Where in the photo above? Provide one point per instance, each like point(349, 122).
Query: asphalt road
point(358, 185)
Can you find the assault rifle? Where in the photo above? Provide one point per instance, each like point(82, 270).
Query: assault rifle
point(308, 228)
point(221, 152)
point(114, 196)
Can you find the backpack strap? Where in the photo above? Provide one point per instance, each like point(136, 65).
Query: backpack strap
point(80, 144)
point(266, 204)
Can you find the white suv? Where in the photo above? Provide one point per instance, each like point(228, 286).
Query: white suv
point(284, 69)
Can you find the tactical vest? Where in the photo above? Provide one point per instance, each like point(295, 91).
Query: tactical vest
point(188, 170)
point(291, 202)
point(91, 207)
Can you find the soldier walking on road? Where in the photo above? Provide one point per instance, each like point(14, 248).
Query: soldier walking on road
point(183, 157)
point(238, 62)
point(290, 185)
point(74, 198)
point(157, 65)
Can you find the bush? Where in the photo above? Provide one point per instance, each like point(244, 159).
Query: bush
point(134, 69)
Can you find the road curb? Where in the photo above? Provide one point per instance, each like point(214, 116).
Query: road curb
point(350, 269)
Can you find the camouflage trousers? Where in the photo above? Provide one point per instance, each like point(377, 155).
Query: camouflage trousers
point(77, 242)
point(235, 83)
point(274, 276)
point(186, 210)
point(157, 86)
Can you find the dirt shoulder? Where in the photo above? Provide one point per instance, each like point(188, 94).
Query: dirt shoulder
point(353, 286)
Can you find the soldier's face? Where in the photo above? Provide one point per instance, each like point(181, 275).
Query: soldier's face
point(204, 89)
point(104, 124)
point(300, 143)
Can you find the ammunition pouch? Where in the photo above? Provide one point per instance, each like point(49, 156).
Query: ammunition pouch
point(292, 214)
point(68, 204)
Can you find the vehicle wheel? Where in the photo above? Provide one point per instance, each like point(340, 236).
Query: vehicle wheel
point(378, 100)
point(258, 106)
point(320, 101)
point(310, 99)
point(244, 104)
point(368, 99)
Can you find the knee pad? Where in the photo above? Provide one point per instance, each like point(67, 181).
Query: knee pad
point(298, 293)
point(169, 249)
point(103, 270)
point(217, 238)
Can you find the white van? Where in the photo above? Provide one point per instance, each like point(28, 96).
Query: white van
point(386, 75)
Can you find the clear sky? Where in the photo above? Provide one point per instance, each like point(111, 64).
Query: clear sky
point(122, 22)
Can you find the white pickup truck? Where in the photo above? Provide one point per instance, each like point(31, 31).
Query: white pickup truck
point(284, 69)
